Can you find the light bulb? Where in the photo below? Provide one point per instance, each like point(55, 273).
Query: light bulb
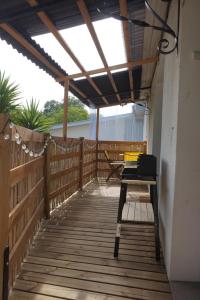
point(26, 150)
point(11, 125)
point(31, 153)
point(6, 136)
point(23, 146)
point(17, 136)
point(18, 141)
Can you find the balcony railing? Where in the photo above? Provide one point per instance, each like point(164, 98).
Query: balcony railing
point(32, 187)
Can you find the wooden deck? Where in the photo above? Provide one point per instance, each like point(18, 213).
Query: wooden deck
point(72, 255)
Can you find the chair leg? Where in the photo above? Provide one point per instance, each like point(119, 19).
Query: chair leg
point(114, 171)
point(122, 200)
point(111, 173)
point(156, 222)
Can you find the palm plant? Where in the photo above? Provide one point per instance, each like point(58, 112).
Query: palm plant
point(9, 94)
point(31, 117)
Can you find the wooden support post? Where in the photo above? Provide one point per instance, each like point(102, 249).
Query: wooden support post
point(97, 140)
point(5, 166)
point(47, 171)
point(81, 163)
point(66, 91)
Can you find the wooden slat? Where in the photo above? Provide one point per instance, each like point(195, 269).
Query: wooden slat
point(93, 276)
point(142, 144)
point(131, 273)
point(85, 14)
point(21, 295)
point(88, 163)
point(52, 28)
point(24, 43)
point(19, 173)
point(28, 135)
point(64, 156)
point(26, 234)
point(113, 151)
point(136, 265)
point(63, 188)
point(89, 151)
point(89, 173)
point(129, 65)
point(110, 289)
point(56, 291)
point(125, 26)
point(62, 173)
point(21, 206)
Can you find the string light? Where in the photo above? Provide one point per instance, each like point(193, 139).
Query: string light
point(6, 136)
point(32, 153)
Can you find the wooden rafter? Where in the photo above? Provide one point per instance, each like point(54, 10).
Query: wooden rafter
point(87, 19)
point(52, 28)
point(26, 45)
point(130, 65)
point(125, 25)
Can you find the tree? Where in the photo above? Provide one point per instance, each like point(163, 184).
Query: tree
point(31, 117)
point(51, 107)
point(9, 94)
point(53, 110)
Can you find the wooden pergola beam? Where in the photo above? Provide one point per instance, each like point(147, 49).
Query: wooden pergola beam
point(52, 28)
point(87, 19)
point(129, 65)
point(125, 26)
point(23, 42)
point(26, 45)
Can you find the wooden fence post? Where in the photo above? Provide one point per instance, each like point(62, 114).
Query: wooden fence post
point(5, 165)
point(81, 163)
point(97, 141)
point(47, 171)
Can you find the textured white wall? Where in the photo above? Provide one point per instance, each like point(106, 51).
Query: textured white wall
point(185, 261)
point(179, 199)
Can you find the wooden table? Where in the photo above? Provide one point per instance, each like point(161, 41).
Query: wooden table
point(122, 201)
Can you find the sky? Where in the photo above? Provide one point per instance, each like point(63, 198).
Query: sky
point(37, 84)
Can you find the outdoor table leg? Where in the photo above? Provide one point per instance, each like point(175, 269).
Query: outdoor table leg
point(122, 200)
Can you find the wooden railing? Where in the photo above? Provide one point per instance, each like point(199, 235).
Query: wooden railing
point(114, 149)
point(70, 165)
point(31, 187)
point(22, 204)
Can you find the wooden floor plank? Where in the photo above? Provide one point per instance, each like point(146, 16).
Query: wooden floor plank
point(101, 261)
point(61, 292)
point(96, 277)
point(98, 243)
point(97, 268)
point(86, 285)
point(72, 254)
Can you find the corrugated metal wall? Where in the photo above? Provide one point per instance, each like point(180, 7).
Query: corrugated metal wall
point(127, 127)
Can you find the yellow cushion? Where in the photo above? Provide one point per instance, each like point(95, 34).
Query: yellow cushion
point(131, 155)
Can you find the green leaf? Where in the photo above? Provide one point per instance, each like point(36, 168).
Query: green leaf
point(9, 94)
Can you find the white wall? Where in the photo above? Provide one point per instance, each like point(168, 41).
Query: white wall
point(74, 131)
point(179, 198)
point(185, 239)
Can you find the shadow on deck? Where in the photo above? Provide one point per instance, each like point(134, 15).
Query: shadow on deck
point(72, 255)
